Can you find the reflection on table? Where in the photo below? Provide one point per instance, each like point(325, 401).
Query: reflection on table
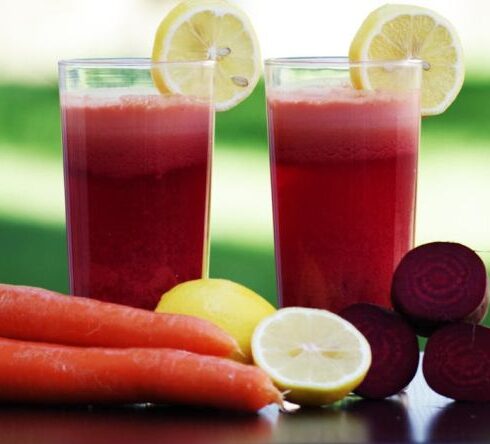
point(419, 415)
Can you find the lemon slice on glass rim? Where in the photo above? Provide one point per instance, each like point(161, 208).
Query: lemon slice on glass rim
point(315, 355)
point(216, 30)
point(397, 32)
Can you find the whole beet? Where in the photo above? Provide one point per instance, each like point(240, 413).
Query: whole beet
point(394, 349)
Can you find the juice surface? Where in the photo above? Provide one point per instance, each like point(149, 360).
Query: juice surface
point(137, 184)
point(343, 170)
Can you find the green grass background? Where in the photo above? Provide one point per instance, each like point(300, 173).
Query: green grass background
point(453, 188)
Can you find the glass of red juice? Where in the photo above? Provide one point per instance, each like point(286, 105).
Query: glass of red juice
point(137, 177)
point(343, 172)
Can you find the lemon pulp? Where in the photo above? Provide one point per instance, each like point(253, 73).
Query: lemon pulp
point(315, 355)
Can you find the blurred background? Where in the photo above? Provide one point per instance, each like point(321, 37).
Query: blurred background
point(454, 179)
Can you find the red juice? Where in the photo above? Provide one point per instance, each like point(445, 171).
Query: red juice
point(343, 169)
point(137, 176)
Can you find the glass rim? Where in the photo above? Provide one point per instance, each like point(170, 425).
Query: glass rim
point(336, 62)
point(128, 62)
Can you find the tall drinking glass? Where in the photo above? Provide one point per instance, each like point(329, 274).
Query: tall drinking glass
point(137, 175)
point(343, 171)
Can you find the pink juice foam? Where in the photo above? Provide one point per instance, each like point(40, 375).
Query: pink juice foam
point(343, 180)
point(137, 183)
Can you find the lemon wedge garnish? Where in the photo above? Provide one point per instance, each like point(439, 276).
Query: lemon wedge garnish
point(395, 32)
point(315, 355)
point(208, 30)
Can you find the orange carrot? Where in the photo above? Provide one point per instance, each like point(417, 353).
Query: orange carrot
point(58, 374)
point(39, 315)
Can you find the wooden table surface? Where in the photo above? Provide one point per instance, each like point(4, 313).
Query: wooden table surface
point(419, 415)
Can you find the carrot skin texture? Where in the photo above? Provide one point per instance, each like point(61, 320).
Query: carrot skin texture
point(41, 373)
point(35, 314)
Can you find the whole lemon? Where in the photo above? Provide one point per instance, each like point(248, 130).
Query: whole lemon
point(231, 306)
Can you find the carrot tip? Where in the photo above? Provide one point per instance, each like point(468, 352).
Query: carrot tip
point(278, 398)
point(239, 351)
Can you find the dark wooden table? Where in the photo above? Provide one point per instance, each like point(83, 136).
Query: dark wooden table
point(419, 415)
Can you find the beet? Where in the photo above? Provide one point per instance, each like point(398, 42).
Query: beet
point(456, 362)
point(438, 283)
point(394, 349)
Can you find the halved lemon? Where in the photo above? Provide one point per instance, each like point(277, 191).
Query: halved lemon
point(315, 355)
point(208, 30)
point(394, 32)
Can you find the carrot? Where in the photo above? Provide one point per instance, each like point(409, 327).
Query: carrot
point(59, 374)
point(39, 315)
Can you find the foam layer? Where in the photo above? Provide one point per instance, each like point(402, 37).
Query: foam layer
point(125, 135)
point(342, 124)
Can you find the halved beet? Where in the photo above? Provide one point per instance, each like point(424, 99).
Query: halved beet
point(438, 283)
point(456, 362)
point(394, 349)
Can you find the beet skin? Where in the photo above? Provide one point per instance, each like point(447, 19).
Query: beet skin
point(438, 283)
point(394, 349)
point(456, 362)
